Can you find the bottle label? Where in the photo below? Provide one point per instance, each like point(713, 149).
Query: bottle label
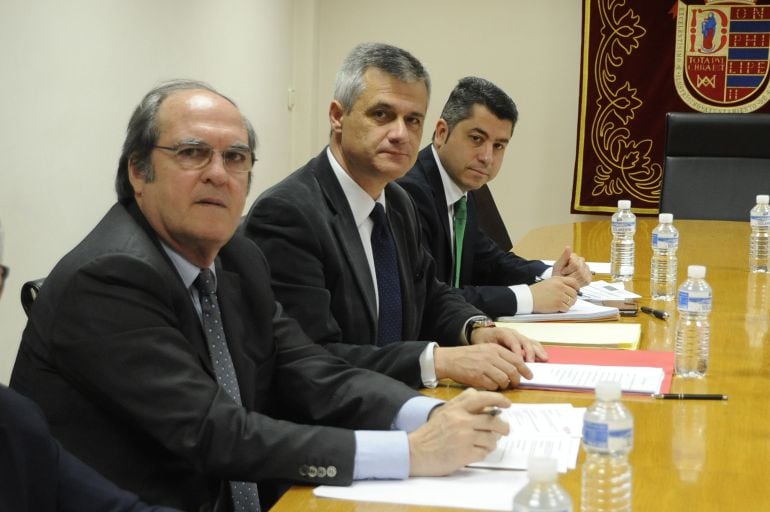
point(760, 221)
point(695, 302)
point(623, 227)
point(664, 242)
point(608, 437)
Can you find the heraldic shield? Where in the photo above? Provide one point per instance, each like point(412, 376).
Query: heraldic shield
point(722, 55)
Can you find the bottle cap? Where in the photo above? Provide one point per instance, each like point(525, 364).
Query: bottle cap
point(608, 390)
point(542, 469)
point(666, 218)
point(696, 271)
point(624, 204)
point(763, 199)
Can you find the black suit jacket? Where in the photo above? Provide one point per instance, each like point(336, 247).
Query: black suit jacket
point(486, 270)
point(38, 475)
point(115, 355)
point(320, 273)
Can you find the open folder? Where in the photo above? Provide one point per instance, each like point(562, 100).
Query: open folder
point(606, 335)
point(581, 311)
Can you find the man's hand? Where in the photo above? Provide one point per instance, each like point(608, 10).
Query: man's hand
point(529, 350)
point(556, 294)
point(571, 265)
point(457, 433)
point(488, 366)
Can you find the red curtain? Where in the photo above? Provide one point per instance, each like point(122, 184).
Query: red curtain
point(643, 58)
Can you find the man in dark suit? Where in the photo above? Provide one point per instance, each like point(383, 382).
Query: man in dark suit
point(38, 475)
point(159, 356)
point(315, 229)
point(468, 146)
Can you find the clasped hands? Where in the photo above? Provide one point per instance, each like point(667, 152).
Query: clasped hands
point(558, 293)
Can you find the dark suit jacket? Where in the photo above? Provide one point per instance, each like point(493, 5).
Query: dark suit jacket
point(486, 270)
point(38, 475)
point(115, 355)
point(320, 273)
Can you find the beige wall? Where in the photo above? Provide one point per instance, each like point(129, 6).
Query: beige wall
point(73, 71)
point(530, 49)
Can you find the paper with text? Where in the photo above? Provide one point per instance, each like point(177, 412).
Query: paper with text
point(632, 379)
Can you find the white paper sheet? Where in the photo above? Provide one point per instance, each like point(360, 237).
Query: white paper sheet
point(474, 488)
point(633, 379)
point(545, 430)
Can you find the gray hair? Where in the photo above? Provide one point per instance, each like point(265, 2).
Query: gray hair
point(396, 62)
point(471, 91)
point(143, 132)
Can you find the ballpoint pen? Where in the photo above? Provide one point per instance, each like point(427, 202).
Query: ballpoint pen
point(657, 313)
point(689, 396)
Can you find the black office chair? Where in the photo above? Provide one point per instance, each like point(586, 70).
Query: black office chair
point(490, 220)
point(715, 164)
point(29, 292)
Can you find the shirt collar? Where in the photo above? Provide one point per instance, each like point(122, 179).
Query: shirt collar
point(361, 203)
point(186, 270)
point(452, 193)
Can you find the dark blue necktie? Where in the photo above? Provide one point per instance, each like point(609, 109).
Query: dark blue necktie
point(388, 284)
point(245, 495)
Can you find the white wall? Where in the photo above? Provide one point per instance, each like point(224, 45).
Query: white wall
point(72, 72)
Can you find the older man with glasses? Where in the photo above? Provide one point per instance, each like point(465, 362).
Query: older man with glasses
point(38, 474)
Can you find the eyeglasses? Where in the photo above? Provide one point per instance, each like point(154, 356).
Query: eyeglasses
point(193, 157)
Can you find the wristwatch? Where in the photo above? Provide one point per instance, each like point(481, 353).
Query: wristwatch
point(476, 322)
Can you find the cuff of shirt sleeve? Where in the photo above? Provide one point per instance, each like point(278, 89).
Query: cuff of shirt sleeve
point(547, 273)
point(428, 366)
point(381, 455)
point(524, 302)
point(414, 413)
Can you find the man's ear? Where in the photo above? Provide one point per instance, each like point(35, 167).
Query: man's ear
point(441, 133)
point(336, 115)
point(135, 176)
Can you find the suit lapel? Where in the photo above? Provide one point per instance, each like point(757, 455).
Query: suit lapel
point(189, 321)
point(346, 232)
point(433, 177)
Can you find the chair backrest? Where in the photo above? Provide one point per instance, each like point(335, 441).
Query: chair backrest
point(29, 292)
point(490, 220)
point(715, 164)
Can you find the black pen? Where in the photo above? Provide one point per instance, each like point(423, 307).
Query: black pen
point(654, 312)
point(492, 411)
point(688, 396)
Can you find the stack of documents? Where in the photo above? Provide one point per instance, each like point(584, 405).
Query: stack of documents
point(597, 291)
point(632, 379)
point(581, 310)
point(620, 335)
point(578, 369)
point(540, 430)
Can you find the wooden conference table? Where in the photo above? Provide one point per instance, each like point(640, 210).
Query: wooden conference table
point(688, 455)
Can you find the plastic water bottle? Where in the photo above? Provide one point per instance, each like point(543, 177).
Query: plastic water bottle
point(691, 348)
point(608, 436)
point(622, 252)
point(665, 241)
point(759, 243)
point(543, 493)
